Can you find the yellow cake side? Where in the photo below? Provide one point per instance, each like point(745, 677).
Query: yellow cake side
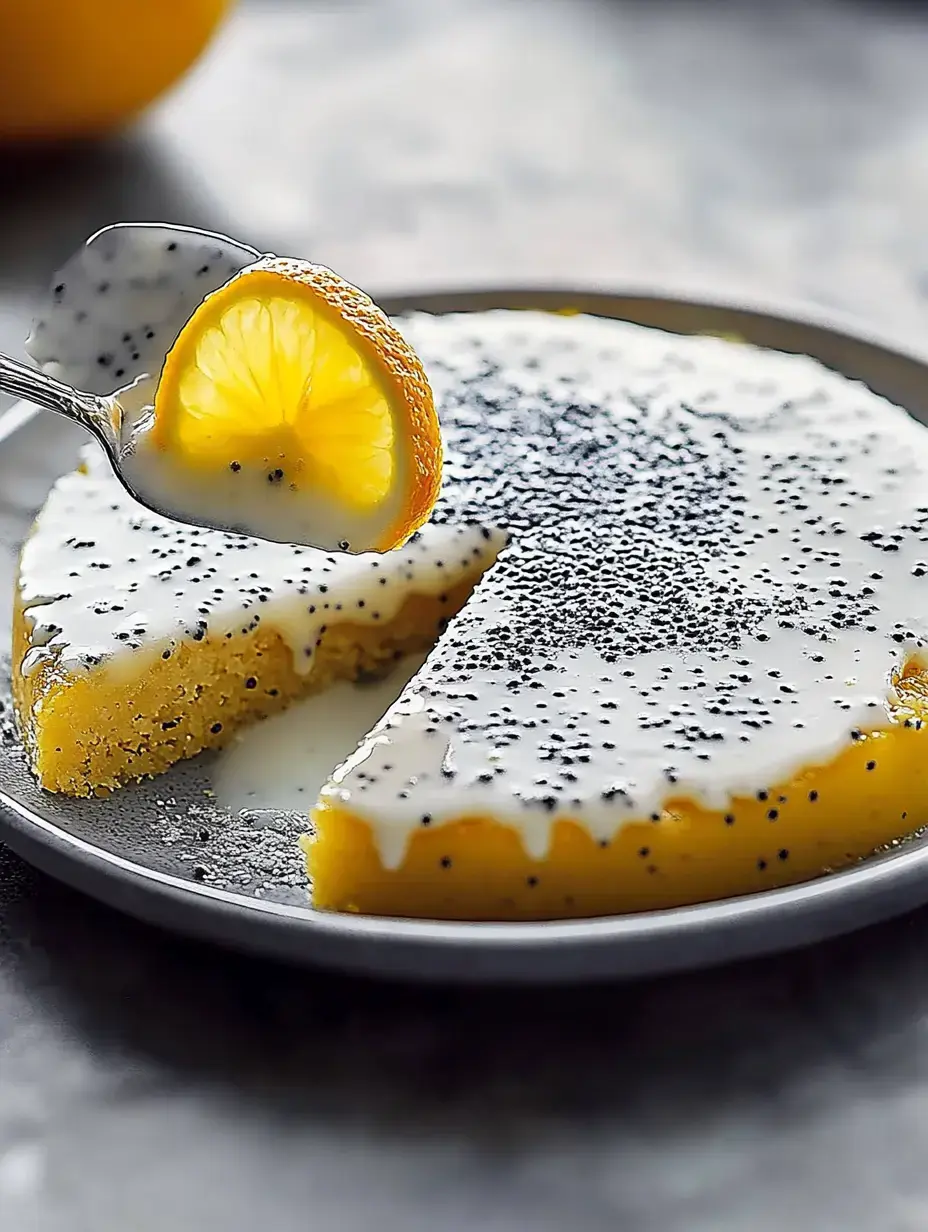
point(475, 868)
point(89, 731)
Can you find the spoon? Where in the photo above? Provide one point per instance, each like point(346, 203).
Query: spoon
point(176, 488)
point(114, 420)
point(112, 311)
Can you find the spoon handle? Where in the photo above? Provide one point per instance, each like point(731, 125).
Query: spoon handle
point(92, 413)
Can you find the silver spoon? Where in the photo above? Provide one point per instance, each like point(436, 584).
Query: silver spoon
point(155, 274)
point(112, 419)
point(121, 421)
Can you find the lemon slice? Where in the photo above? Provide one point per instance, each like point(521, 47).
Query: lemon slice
point(291, 397)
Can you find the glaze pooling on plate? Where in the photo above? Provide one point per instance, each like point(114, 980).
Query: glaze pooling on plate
point(718, 566)
point(281, 764)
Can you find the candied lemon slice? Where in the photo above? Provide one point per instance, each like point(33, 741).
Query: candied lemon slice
point(296, 382)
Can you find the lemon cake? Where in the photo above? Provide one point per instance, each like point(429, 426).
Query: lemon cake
point(697, 669)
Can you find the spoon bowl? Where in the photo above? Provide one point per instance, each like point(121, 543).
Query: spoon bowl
point(116, 421)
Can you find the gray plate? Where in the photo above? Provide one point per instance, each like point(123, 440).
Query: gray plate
point(163, 852)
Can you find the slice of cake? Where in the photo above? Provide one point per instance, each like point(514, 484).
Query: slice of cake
point(139, 641)
point(697, 670)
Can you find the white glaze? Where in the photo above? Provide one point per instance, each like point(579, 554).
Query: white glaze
point(102, 578)
point(809, 708)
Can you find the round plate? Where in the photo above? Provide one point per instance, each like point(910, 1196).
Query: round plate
point(163, 852)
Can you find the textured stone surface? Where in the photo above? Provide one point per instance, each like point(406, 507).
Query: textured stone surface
point(149, 1084)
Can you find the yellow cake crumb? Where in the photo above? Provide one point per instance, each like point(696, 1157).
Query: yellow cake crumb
point(477, 868)
point(88, 732)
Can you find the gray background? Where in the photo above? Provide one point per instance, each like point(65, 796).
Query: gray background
point(149, 1084)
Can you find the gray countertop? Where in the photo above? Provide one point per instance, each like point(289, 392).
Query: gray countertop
point(149, 1084)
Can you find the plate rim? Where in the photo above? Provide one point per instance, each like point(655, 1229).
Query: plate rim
point(523, 951)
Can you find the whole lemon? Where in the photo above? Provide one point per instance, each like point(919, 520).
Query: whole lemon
point(73, 68)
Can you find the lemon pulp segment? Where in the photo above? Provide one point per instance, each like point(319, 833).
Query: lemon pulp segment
point(273, 379)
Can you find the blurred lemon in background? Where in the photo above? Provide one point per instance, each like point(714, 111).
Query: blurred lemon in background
point(73, 68)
